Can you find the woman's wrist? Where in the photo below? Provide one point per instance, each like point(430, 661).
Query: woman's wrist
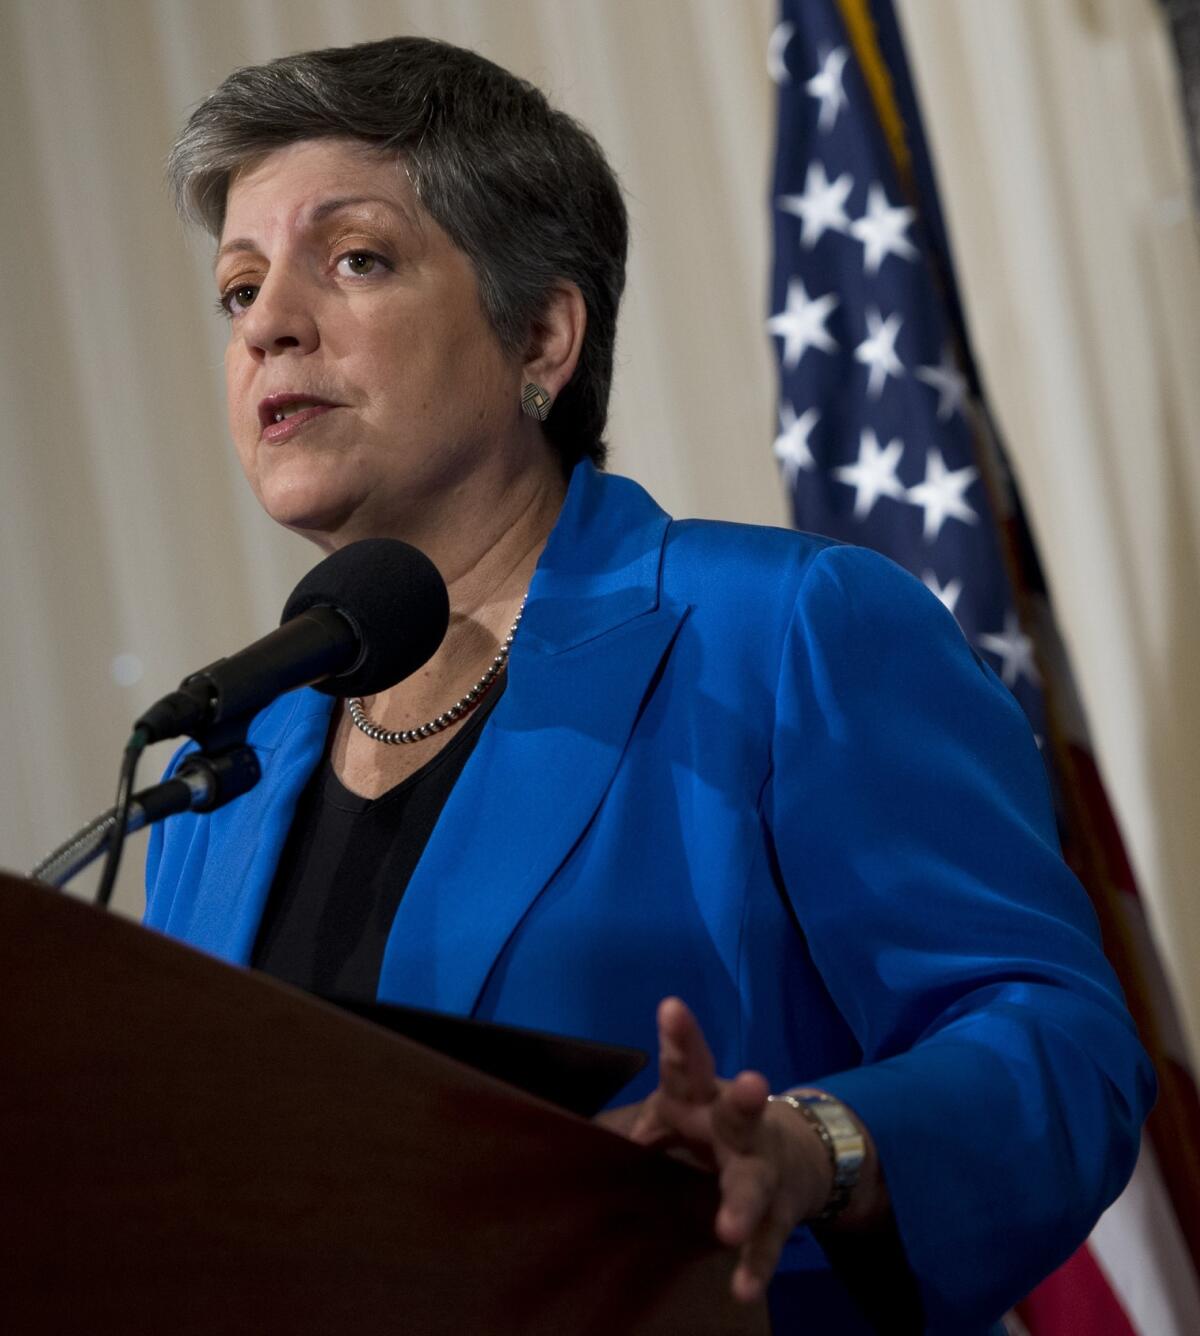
point(841, 1139)
point(853, 1195)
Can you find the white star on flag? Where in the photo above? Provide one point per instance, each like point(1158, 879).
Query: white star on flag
point(777, 52)
point(941, 494)
point(791, 445)
point(801, 324)
point(881, 230)
point(822, 206)
point(949, 382)
point(878, 350)
point(874, 474)
point(826, 85)
point(947, 594)
point(1014, 649)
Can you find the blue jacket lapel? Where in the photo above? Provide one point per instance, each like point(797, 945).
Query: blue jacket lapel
point(238, 848)
point(593, 635)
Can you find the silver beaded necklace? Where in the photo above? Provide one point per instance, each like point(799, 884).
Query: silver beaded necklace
point(452, 715)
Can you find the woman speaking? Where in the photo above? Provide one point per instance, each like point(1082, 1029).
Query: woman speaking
point(740, 794)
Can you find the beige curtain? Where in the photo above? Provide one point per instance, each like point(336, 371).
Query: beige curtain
point(130, 552)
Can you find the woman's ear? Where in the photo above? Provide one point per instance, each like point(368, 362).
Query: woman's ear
point(556, 339)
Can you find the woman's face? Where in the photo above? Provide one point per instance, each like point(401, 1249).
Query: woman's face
point(365, 383)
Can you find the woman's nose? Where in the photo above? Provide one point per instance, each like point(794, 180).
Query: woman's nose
point(280, 319)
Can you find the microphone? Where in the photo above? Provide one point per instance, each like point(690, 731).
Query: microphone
point(360, 621)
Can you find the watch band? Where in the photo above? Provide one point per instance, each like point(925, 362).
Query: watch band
point(839, 1134)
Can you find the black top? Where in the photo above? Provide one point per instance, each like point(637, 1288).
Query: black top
point(345, 866)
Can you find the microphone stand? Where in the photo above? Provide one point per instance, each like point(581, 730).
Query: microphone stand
point(203, 782)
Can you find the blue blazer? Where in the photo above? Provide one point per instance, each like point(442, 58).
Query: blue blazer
point(763, 772)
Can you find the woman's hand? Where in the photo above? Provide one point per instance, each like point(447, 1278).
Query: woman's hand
point(773, 1168)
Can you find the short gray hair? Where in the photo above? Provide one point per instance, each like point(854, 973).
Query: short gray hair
point(523, 189)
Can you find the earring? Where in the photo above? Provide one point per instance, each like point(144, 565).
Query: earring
point(535, 402)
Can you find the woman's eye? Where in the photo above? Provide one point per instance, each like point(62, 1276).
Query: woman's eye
point(360, 263)
point(233, 301)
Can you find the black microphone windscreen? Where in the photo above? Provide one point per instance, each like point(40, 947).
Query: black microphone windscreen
point(396, 599)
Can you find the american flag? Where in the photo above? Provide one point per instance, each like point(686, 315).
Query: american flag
point(884, 440)
point(875, 439)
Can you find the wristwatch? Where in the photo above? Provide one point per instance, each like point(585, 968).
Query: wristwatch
point(839, 1133)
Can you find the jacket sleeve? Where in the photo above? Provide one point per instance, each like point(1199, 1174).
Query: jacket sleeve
point(1001, 1079)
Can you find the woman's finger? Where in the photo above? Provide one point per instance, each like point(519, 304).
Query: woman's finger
point(622, 1120)
point(737, 1114)
point(749, 1185)
point(685, 1063)
point(760, 1254)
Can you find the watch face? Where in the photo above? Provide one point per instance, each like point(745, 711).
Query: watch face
point(846, 1141)
point(835, 1125)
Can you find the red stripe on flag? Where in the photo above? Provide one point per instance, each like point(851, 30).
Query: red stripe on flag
point(1104, 830)
point(1076, 1300)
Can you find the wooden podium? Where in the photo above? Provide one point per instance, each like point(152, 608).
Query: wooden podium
point(187, 1147)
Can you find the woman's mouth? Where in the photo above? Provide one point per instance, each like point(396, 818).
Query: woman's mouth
point(282, 415)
